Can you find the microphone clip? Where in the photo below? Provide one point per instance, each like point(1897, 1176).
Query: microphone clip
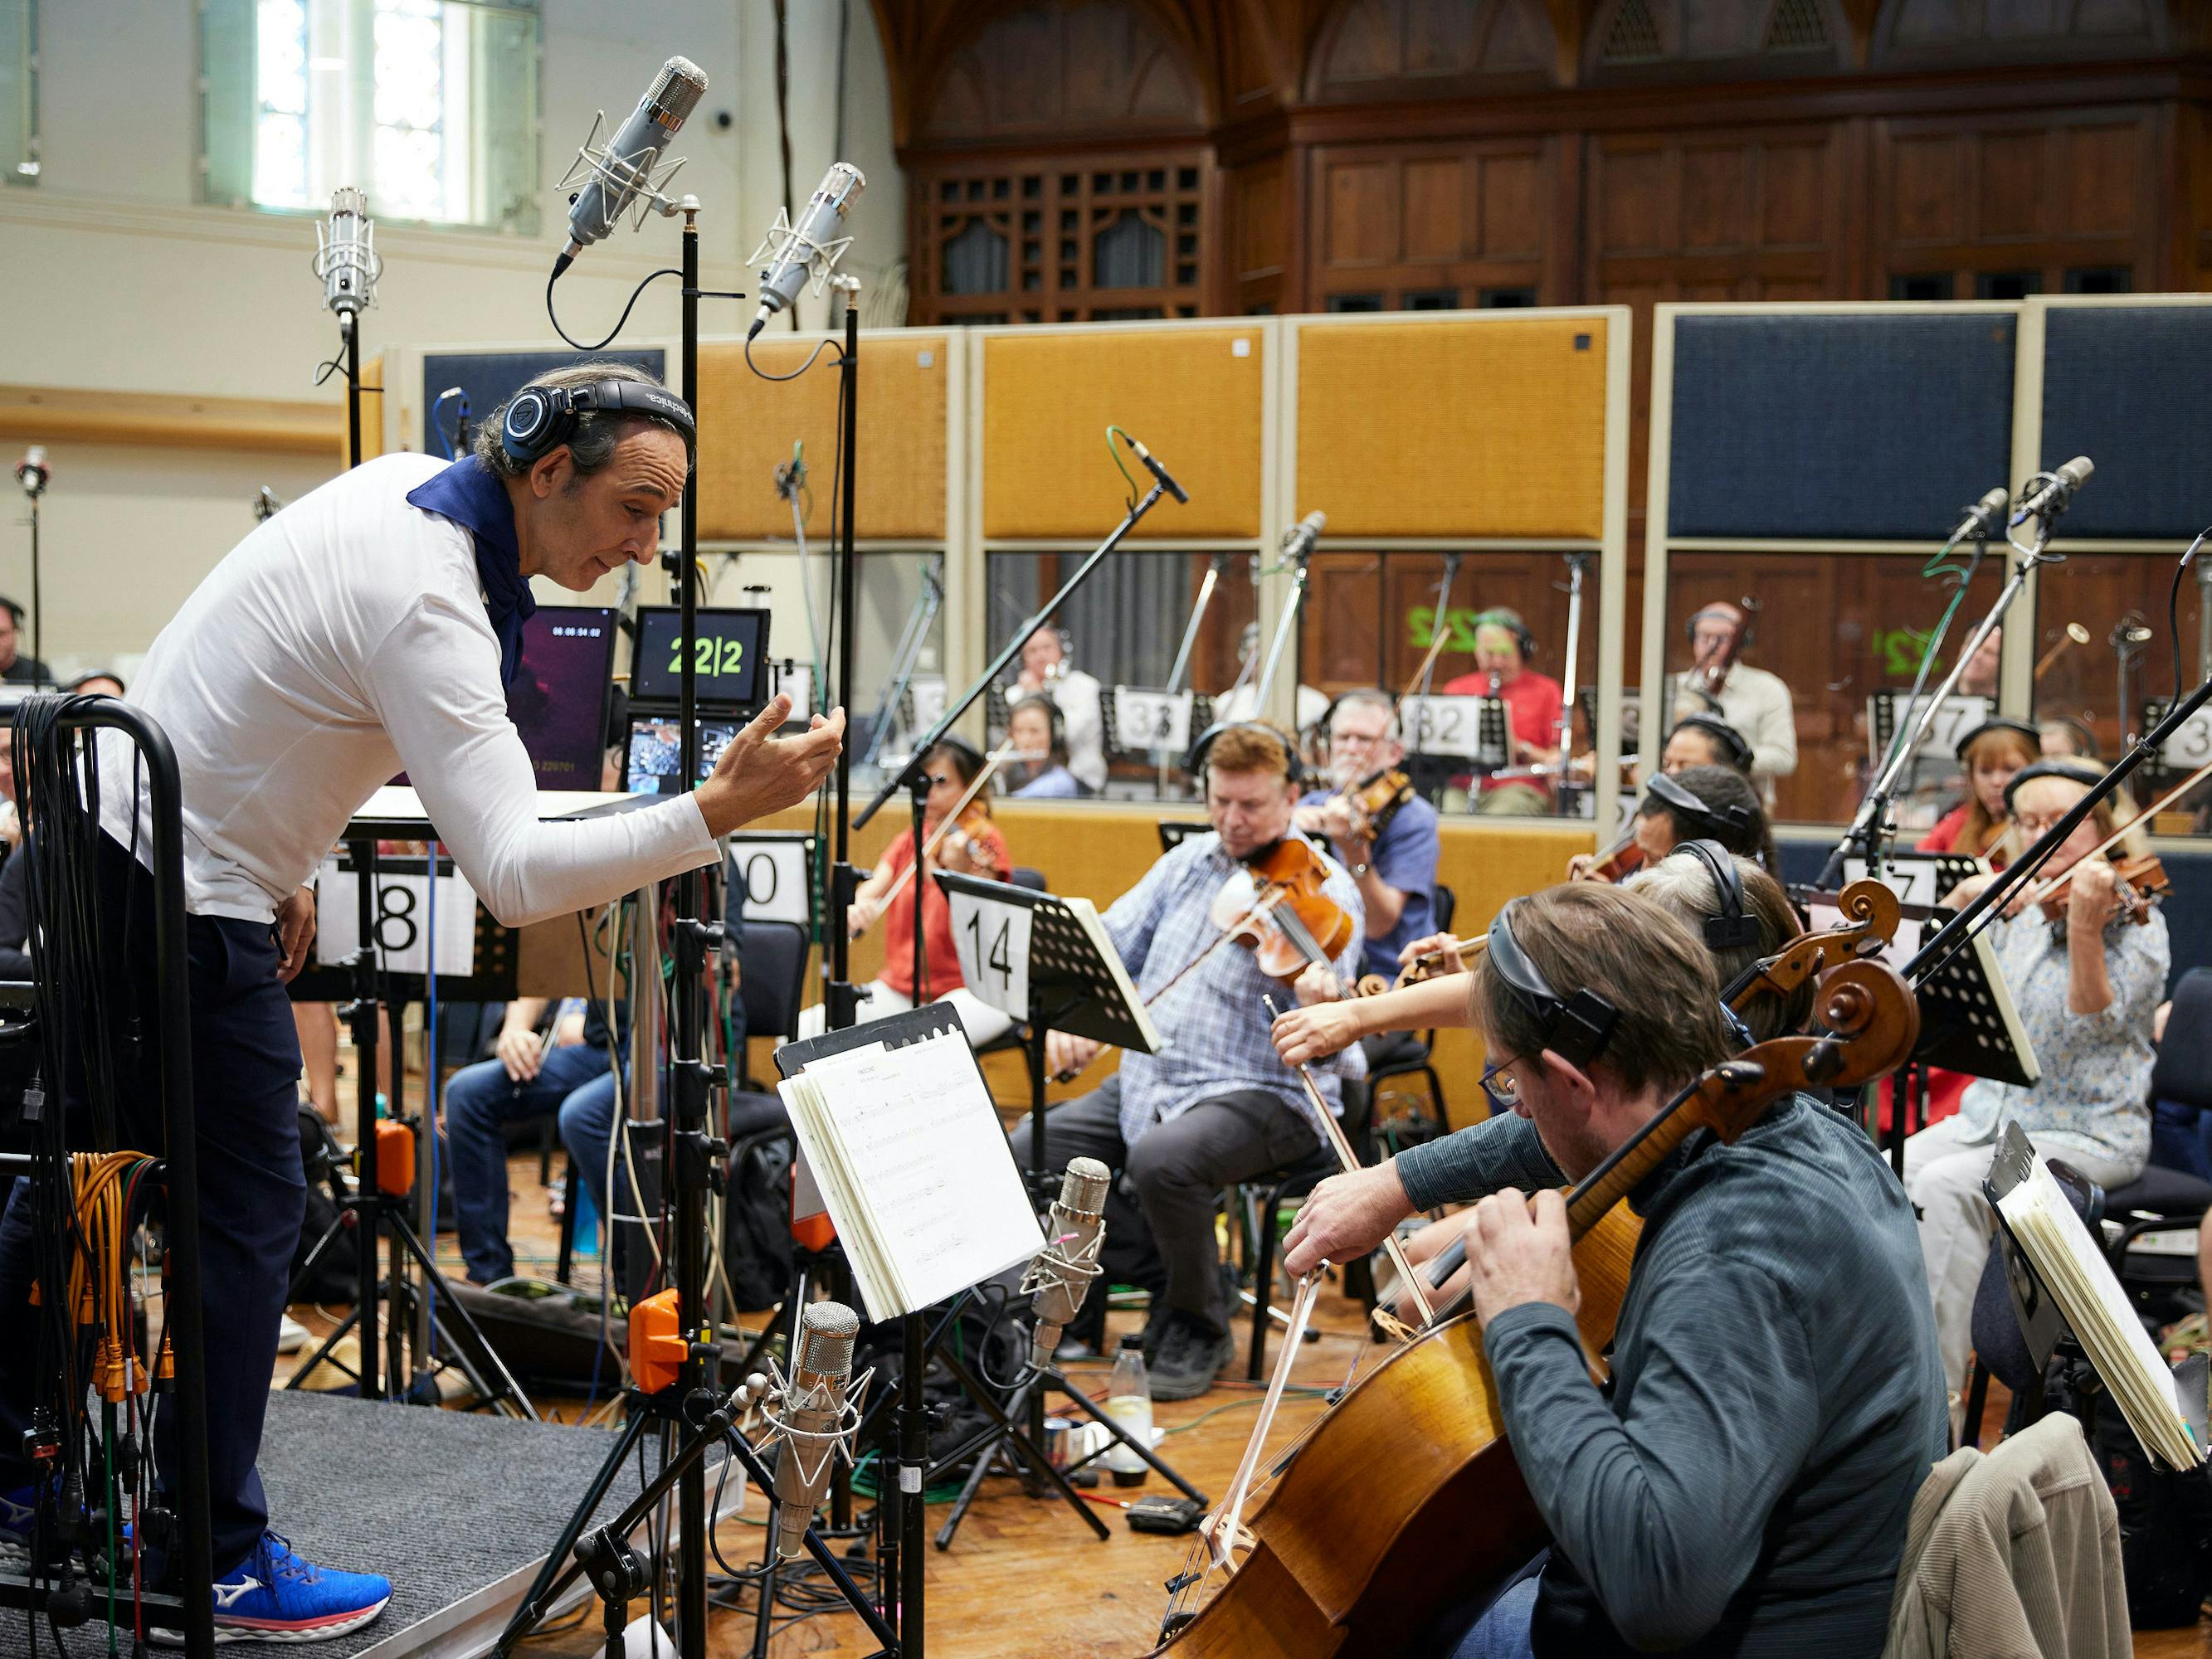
point(636, 183)
point(784, 1400)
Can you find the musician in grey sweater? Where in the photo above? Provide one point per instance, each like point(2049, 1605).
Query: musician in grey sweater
point(1742, 1485)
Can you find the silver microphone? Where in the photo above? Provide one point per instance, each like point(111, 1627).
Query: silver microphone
point(2056, 492)
point(612, 177)
point(1299, 539)
point(811, 1414)
point(1060, 1277)
point(811, 248)
point(32, 471)
point(1982, 519)
point(345, 254)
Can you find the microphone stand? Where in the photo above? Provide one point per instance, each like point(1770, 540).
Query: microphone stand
point(1284, 626)
point(1205, 586)
point(904, 656)
point(1872, 825)
point(1578, 563)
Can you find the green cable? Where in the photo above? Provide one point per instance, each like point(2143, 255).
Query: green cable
point(1116, 456)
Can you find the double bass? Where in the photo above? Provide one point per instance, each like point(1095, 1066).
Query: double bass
point(1403, 1505)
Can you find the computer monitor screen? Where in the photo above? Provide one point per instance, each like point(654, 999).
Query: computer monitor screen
point(651, 766)
point(728, 655)
point(558, 701)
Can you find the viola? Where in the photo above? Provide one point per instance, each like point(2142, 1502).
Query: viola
point(1405, 1493)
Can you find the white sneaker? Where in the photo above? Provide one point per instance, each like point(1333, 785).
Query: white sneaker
point(291, 1335)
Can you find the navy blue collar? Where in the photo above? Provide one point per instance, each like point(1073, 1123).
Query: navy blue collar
point(474, 497)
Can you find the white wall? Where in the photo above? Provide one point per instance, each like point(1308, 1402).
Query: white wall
point(126, 284)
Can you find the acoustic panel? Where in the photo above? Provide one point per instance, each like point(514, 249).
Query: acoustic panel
point(748, 424)
point(1494, 428)
point(2124, 385)
point(1192, 396)
point(490, 378)
point(1860, 425)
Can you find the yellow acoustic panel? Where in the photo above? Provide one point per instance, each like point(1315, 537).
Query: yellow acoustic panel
point(1466, 429)
point(1190, 395)
point(371, 408)
point(747, 426)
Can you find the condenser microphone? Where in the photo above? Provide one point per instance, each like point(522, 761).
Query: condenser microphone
point(813, 1406)
point(1059, 1278)
point(1985, 518)
point(1298, 540)
point(612, 177)
point(2056, 491)
point(810, 249)
point(345, 254)
point(32, 471)
point(1167, 482)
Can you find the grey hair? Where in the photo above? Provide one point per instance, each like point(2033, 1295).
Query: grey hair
point(1372, 697)
point(591, 446)
point(1684, 887)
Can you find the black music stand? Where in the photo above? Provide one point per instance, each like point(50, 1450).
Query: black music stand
point(1967, 1023)
point(2043, 1326)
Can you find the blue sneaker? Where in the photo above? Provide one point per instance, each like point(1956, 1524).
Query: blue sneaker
point(276, 1596)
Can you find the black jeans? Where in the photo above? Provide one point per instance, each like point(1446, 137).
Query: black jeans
point(245, 1071)
point(1179, 1169)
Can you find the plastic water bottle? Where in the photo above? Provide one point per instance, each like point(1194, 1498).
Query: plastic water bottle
point(1129, 1403)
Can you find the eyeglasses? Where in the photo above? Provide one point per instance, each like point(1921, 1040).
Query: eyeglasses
point(1504, 1092)
point(936, 778)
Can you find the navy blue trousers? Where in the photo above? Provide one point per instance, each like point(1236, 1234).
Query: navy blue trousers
point(245, 1071)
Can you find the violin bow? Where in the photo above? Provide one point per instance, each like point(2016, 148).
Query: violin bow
point(2045, 889)
point(1334, 1132)
point(997, 758)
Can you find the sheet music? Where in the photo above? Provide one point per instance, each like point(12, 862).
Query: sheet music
point(2097, 1308)
point(917, 1174)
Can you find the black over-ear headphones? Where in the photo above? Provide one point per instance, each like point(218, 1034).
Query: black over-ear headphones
point(1734, 615)
point(1736, 750)
point(1326, 724)
point(1732, 928)
point(1038, 700)
point(540, 419)
point(1510, 620)
point(1575, 1028)
point(967, 750)
point(1667, 793)
point(1195, 763)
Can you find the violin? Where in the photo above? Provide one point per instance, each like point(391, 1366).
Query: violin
point(1365, 1540)
point(2142, 883)
point(1430, 965)
point(1376, 800)
point(1274, 906)
point(1617, 862)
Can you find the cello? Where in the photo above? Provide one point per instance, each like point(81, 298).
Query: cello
point(1404, 1500)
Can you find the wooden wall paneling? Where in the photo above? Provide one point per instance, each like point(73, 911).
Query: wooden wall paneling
point(1400, 221)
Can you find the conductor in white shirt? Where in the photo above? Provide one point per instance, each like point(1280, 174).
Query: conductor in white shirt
point(371, 627)
point(1048, 670)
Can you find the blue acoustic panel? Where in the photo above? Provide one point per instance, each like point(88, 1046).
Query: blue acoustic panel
point(490, 378)
point(1866, 425)
point(2126, 386)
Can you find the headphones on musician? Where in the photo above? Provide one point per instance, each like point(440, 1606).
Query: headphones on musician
point(1663, 789)
point(1506, 617)
point(1038, 700)
point(1732, 928)
point(1195, 763)
point(1326, 726)
point(1738, 616)
point(1735, 750)
point(540, 419)
point(967, 752)
point(1575, 1028)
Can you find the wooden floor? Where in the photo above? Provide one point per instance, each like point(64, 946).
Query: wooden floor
point(1024, 1577)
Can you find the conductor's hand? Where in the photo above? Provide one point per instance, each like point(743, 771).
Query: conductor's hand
point(1521, 1252)
point(296, 932)
point(1347, 1216)
point(1065, 1054)
point(761, 773)
point(1303, 1036)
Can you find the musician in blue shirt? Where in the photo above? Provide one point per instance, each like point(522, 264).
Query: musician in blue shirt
point(1396, 869)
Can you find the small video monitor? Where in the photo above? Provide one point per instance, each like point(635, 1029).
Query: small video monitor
point(729, 659)
point(651, 765)
point(558, 701)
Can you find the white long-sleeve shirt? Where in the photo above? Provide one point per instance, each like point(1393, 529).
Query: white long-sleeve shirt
point(342, 641)
point(1759, 705)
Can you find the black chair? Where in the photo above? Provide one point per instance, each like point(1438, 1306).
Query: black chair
point(1297, 1180)
point(1023, 876)
point(2158, 1201)
point(1419, 1058)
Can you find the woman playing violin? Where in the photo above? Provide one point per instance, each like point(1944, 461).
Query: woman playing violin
point(1991, 754)
point(1712, 803)
point(2086, 985)
point(969, 845)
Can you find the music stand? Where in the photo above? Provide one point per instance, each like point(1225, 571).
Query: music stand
point(2042, 1326)
point(1176, 831)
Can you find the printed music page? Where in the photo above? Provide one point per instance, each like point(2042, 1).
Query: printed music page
point(917, 1173)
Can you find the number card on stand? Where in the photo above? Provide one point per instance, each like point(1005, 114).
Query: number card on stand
point(1071, 976)
point(1918, 877)
point(897, 1127)
point(1954, 718)
point(403, 916)
point(1147, 720)
point(1469, 728)
point(992, 940)
point(776, 869)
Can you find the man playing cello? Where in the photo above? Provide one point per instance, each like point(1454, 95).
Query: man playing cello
point(1776, 1393)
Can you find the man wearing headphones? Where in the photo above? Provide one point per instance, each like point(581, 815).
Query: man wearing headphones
point(1215, 1106)
point(1755, 702)
point(1049, 670)
point(1742, 1485)
point(368, 628)
point(1502, 647)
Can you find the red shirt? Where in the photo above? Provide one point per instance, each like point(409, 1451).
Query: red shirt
point(940, 964)
point(1532, 705)
point(1944, 837)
